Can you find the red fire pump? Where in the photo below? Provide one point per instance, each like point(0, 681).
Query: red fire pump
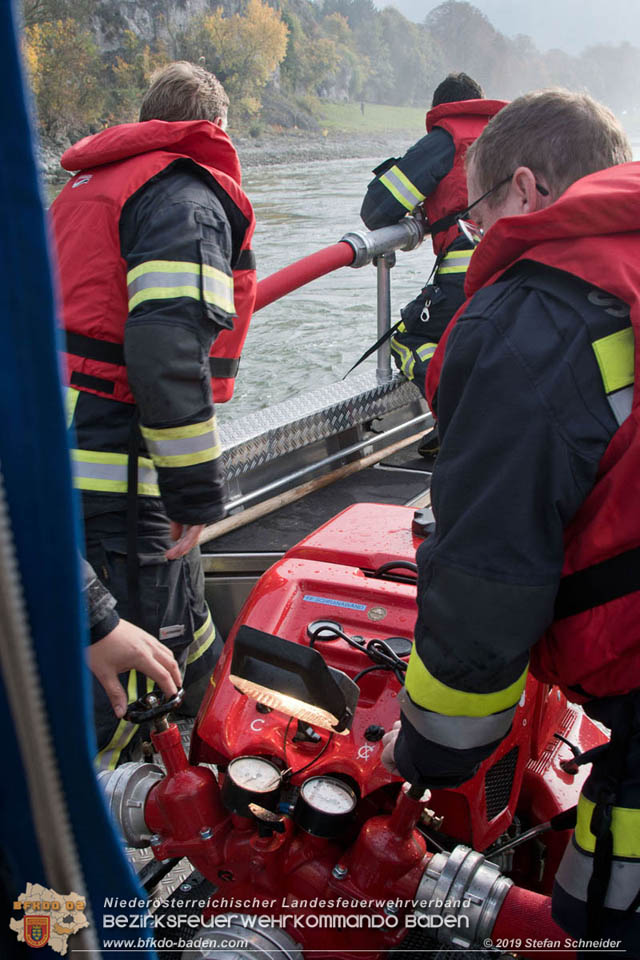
point(310, 843)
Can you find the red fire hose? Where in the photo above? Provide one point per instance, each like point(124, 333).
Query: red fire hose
point(303, 271)
point(524, 926)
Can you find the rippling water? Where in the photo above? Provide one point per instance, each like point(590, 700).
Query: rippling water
point(315, 334)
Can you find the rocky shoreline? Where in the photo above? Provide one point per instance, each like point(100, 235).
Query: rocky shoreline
point(271, 148)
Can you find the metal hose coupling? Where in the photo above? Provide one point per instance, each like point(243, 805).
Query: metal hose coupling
point(465, 892)
point(368, 244)
point(125, 791)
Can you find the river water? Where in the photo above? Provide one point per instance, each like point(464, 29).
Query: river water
point(314, 335)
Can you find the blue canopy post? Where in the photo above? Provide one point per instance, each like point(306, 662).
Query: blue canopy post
point(64, 831)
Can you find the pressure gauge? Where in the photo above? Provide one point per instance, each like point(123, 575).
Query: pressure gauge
point(324, 806)
point(251, 780)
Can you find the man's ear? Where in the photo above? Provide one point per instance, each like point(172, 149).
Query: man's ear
point(221, 122)
point(526, 193)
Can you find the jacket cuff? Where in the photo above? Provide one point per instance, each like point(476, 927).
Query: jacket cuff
point(100, 629)
point(431, 765)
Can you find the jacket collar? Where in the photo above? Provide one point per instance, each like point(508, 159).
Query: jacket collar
point(200, 140)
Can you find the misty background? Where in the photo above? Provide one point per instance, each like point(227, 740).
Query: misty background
point(569, 25)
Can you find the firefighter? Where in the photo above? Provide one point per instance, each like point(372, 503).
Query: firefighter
point(432, 173)
point(153, 245)
point(533, 563)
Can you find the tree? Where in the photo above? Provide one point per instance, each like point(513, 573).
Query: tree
point(65, 64)
point(243, 50)
point(130, 76)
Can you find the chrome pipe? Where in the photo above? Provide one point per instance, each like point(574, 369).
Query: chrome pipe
point(369, 244)
point(384, 265)
point(325, 462)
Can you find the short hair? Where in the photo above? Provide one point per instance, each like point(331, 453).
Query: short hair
point(560, 135)
point(184, 91)
point(456, 86)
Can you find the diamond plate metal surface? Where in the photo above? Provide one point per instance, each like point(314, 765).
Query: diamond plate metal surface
point(312, 416)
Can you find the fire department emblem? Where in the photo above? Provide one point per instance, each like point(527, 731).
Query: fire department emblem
point(48, 918)
point(36, 931)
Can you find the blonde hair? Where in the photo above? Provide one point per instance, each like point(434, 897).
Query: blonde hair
point(559, 135)
point(184, 91)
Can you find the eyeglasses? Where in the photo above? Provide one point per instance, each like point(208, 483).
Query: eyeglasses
point(473, 233)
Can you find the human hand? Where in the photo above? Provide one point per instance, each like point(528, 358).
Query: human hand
point(128, 647)
point(186, 538)
point(389, 746)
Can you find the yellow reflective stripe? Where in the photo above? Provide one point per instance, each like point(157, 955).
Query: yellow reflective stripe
point(163, 293)
point(458, 255)
point(171, 279)
point(183, 446)
point(431, 694)
point(108, 757)
point(71, 400)
point(179, 433)
point(426, 350)
point(460, 269)
point(107, 472)
point(401, 187)
point(464, 258)
point(407, 360)
point(162, 266)
point(615, 356)
point(625, 829)
point(202, 639)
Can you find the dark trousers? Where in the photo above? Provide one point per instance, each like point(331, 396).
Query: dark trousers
point(170, 605)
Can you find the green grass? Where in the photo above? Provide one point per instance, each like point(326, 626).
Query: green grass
point(377, 118)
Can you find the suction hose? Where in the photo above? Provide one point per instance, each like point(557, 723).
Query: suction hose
point(356, 249)
point(303, 271)
point(525, 918)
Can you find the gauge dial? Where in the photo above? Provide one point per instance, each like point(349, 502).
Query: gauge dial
point(327, 795)
point(254, 774)
point(251, 780)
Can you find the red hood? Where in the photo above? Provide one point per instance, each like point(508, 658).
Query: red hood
point(201, 140)
point(467, 108)
point(606, 203)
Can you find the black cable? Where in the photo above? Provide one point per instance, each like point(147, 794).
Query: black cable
point(376, 666)
point(295, 773)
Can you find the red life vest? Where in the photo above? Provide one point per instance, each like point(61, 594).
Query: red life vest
point(592, 231)
point(113, 165)
point(464, 120)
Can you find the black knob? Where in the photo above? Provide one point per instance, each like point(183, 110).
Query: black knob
point(374, 733)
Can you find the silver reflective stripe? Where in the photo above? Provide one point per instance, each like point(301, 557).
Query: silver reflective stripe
point(620, 402)
point(202, 639)
point(575, 872)
point(107, 759)
point(158, 278)
point(218, 289)
point(458, 732)
point(426, 350)
point(107, 472)
point(401, 187)
point(180, 446)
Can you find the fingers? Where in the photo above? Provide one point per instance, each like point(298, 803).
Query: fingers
point(115, 692)
point(157, 661)
point(389, 744)
point(186, 541)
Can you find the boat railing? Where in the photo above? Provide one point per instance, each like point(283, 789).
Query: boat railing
point(356, 249)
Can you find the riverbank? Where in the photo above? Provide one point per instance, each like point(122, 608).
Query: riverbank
point(270, 148)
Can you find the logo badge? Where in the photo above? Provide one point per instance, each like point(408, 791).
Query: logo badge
point(36, 931)
point(81, 180)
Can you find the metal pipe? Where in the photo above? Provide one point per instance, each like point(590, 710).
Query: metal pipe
point(326, 461)
point(384, 265)
point(368, 244)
